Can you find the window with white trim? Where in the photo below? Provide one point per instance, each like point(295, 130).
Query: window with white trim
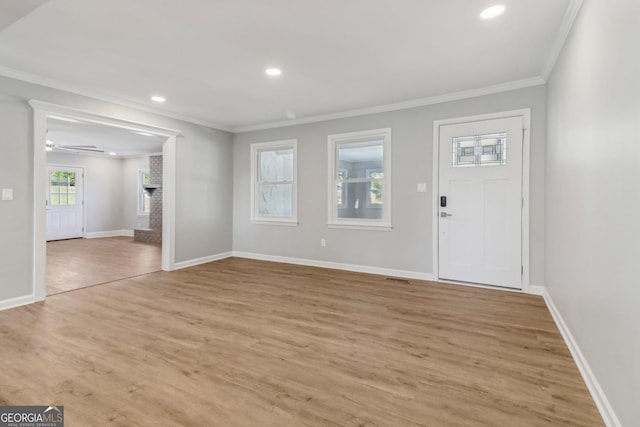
point(274, 183)
point(359, 179)
point(144, 199)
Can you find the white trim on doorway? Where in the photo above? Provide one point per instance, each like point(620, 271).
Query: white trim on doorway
point(16, 302)
point(526, 158)
point(43, 109)
point(110, 233)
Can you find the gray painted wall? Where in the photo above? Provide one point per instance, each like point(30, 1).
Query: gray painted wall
point(16, 249)
point(409, 245)
point(103, 193)
point(592, 198)
point(204, 181)
point(204, 199)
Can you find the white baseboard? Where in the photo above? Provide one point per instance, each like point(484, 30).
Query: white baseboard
point(16, 302)
point(112, 233)
point(337, 266)
point(600, 399)
point(536, 290)
point(203, 260)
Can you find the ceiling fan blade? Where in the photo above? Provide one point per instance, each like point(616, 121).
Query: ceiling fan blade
point(78, 146)
point(87, 149)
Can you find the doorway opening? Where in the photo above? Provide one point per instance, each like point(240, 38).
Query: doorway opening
point(481, 200)
point(44, 114)
point(104, 204)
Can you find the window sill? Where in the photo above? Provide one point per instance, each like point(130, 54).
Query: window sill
point(368, 227)
point(287, 223)
point(143, 215)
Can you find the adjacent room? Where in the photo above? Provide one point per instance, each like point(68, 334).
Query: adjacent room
point(104, 204)
point(285, 213)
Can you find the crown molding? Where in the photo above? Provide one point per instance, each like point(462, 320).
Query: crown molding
point(420, 102)
point(55, 84)
point(561, 36)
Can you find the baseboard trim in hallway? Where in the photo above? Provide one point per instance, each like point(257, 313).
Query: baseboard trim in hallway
point(337, 266)
point(16, 302)
point(600, 398)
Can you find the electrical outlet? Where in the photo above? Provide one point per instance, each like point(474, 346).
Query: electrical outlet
point(421, 188)
point(323, 243)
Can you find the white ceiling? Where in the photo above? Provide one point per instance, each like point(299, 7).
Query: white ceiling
point(207, 57)
point(123, 142)
point(11, 10)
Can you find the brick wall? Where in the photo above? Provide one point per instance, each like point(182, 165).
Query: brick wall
point(154, 233)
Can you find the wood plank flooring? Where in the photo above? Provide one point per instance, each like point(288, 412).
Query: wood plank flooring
point(251, 343)
point(78, 263)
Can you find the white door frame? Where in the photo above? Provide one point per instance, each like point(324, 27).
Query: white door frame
point(526, 158)
point(41, 110)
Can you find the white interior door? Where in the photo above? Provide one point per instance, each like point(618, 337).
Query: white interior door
point(480, 222)
point(65, 200)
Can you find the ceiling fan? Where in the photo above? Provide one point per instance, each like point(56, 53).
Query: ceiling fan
point(73, 148)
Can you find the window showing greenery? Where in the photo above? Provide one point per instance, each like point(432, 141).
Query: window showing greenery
point(144, 199)
point(341, 194)
point(62, 188)
point(375, 187)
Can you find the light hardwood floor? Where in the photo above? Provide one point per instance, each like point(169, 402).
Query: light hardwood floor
point(78, 263)
point(251, 343)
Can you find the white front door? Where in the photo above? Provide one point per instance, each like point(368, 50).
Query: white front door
point(480, 203)
point(65, 219)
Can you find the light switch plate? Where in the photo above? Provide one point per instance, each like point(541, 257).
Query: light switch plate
point(422, 188)
point(7, 194)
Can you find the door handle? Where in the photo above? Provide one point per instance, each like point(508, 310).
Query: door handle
point(444, 214)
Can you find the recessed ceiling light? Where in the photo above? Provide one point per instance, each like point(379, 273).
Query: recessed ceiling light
point(112, 153)
point(144, 133)
point(48, 148)
point(158, 98)
point(492, 12)
point(273, 72)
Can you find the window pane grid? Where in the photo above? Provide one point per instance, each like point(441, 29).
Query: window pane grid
point(62, 190)
point(479, 150)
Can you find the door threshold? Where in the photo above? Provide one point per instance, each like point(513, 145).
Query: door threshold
point(480, 285)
